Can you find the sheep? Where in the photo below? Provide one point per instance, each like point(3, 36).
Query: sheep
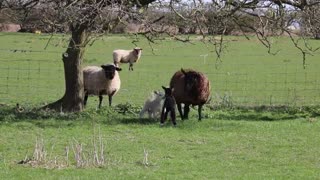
point(169, 105)
point(190, 88)
point(100, 81)
point(126, 56)
point(37, 31)
point(153, 105)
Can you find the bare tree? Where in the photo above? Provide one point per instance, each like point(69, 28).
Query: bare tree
point(272, 18)
point(84, 18)
point(87, 18)
point(311, 20)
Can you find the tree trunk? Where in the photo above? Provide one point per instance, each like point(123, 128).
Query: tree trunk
point(72, 101)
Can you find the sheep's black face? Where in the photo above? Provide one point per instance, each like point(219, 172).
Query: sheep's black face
point(110, 70)
point(137, 50)
point(167, 91)
point(191, 80)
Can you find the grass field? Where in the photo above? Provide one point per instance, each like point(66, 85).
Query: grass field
point(230, 143)
point(248, 75)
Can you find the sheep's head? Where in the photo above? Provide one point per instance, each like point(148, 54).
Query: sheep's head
point(158, 94)
point(190, 79)
point(137, 50)
point(167, 91)
point(110, 70)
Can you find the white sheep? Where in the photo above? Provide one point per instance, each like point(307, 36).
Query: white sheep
point(126, 56)
point(104, 80)
point(153, 105)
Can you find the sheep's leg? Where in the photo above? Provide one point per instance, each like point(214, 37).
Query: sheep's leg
point(162, 119)
point(199, 111)
point(173, 117)
point(100, 100)
point(142, 112)
point(110, 98)
point(166, 114)
point(186, 111)
point(131, 67)
point(180, 110)
point(149, 113)
point(85, 99)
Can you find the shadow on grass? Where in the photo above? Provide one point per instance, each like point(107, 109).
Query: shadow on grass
point(255, 116)
point(265, 113)
point(128, 114)
point(39, 118)
point(42, 118)
point(143, 121)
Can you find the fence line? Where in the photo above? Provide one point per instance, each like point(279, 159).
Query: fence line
point(42, 80)
point(202, 56)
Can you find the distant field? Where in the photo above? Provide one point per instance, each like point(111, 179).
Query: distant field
point(276, 142)
point(247, 75)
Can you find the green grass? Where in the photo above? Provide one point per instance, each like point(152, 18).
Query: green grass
point(238, 144)
point(248, 75)
point(255, 141)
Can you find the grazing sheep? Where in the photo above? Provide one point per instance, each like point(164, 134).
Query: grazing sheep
point(190, 88)
point(104, 80)
point(169, 105)
point(153, 105)
point(126, 56)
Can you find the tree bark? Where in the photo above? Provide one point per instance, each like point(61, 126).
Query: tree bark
point(72, 101)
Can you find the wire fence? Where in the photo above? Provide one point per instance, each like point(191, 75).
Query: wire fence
point(27, 77)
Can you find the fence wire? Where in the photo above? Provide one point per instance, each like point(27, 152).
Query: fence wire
point(24, 79)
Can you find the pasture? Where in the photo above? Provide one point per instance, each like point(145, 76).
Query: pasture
point(262, 121)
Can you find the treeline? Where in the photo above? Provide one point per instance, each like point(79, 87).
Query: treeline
point(242, 23)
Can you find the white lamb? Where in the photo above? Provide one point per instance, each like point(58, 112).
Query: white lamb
point(153, 105)
point(126, 56)
point(104, 80)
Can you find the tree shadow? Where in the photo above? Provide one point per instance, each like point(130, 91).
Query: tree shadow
point(39, 118)
point(265, 113)
point(135, 120)
point(112, 116)
point(255, 117)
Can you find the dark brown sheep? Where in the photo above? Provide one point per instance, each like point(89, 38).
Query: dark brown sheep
point(190, 87)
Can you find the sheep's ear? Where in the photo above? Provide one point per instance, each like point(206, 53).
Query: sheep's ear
point(156, 92)
point(118, 69)
point(103, 66)
point(183, 71)
point(163, 87)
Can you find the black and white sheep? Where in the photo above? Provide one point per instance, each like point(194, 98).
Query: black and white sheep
point(190, 88)
point(169, 106)
point(126, 56)
point(153, 105)
point(104, 80)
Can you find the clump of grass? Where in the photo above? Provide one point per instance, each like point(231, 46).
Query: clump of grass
point(224, 101)
point(40, 158)
point(93, 156)
point(84, 156)
point(128, 108)
point(145, 157)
